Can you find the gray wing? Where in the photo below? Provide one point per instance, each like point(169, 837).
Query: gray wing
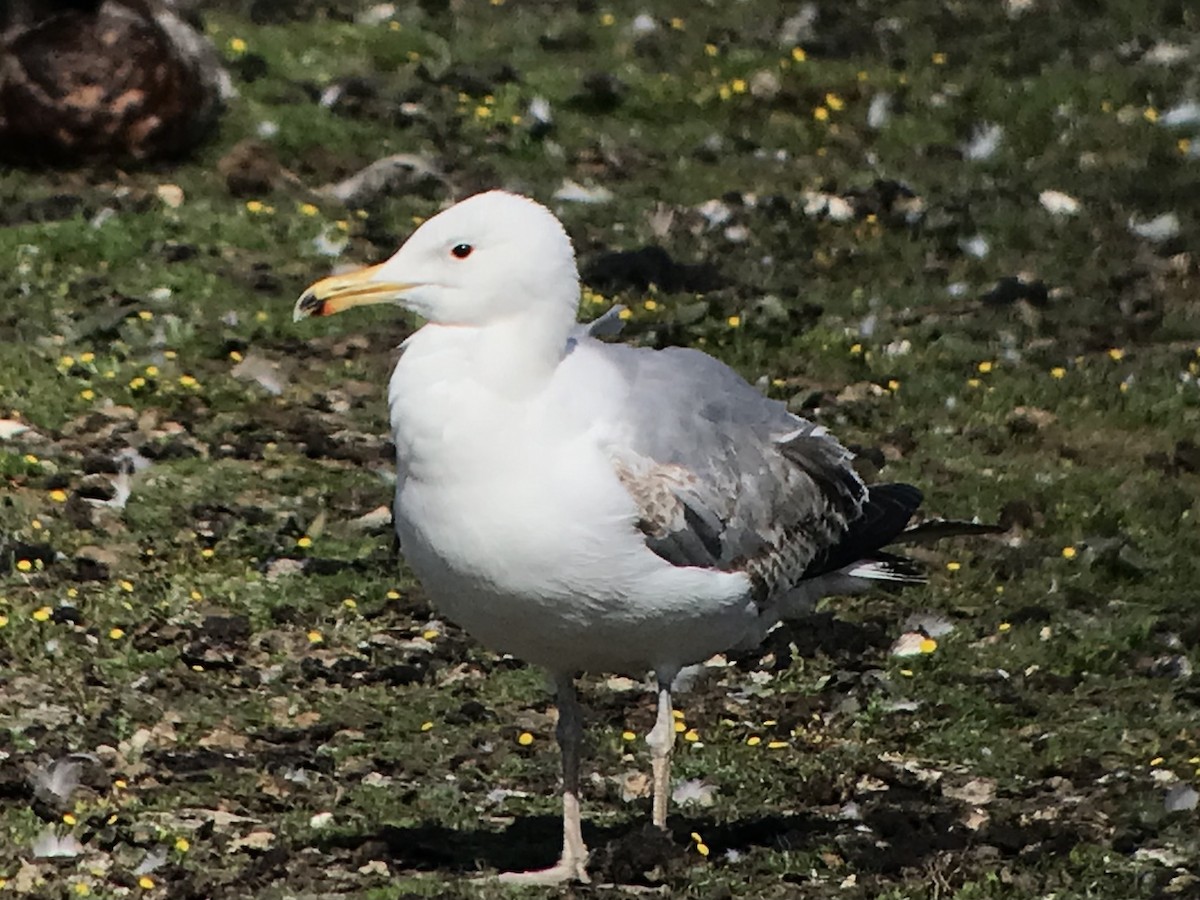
point(724, 477)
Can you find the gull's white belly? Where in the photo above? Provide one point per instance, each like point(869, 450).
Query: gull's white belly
point(547, 569)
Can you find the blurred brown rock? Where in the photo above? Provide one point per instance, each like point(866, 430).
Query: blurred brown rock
point(104, 80)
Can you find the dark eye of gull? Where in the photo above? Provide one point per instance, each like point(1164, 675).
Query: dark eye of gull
point(461, 251)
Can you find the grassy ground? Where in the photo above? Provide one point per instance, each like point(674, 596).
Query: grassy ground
point(269, 706)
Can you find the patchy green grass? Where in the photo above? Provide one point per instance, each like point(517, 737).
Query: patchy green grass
point(271, 706)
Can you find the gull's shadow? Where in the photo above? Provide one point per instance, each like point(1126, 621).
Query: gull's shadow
point(621, 852)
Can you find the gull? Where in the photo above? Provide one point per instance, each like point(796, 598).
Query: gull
point(593, 506)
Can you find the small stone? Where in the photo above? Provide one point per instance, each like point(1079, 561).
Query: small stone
point(171, 195)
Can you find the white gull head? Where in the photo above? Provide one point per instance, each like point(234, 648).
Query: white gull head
point(492, 258)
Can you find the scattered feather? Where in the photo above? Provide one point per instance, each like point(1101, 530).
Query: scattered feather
point(61, 779)
point(643, 23)
point(931, 624)
point(976, 246)
point(49, 845)
point(1157, 230)
point(829, 205)
point(1181, 116)
point(541, 114)
point(985, 141)
point(1058, 204)
point(715, 212)
point(909, 644)
point(153, 861)
point(10, 428)
point(1167, 54)
point(880, 111)
point(262, 371)
point(331, 243)
point(694, 791)
point(574, 192)
point(377, 14)
point(1181, 798)
point(398, 173)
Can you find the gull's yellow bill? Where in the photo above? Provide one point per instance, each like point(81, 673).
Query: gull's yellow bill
point(340, 292)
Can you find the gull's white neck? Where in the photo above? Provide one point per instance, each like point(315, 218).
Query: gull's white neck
point(461, 393)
